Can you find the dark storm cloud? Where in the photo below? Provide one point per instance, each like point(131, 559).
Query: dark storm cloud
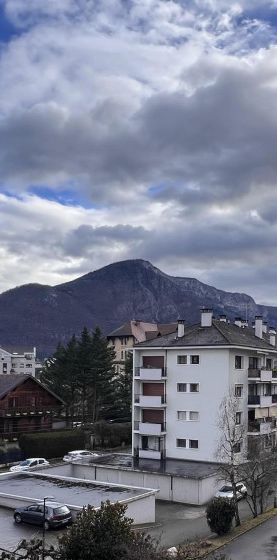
point(211, 146)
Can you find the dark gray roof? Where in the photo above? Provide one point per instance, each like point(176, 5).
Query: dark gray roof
point(12, 380)
point(123, 330)
point(219, 334)
point(177, 467)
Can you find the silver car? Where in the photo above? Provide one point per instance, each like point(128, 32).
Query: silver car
point(227, 491)
point(29, 464)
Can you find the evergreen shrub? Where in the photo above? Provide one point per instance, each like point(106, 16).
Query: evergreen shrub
point(220, 513)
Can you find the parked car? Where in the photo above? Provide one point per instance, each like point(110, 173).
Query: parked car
point(55, 515)
point(227, 491)
point(79, 455)
point(33, 463)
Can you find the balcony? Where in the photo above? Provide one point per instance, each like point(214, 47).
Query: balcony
point(253, 400)
point(263, 375)
point(262, 428)
point(150, 401)
point(150, 428)
point(274, 399)
point(149, 454)
point(150, 374)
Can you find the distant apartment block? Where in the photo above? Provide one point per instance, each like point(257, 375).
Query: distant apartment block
point(18, 360)
point(180, 380)
point(124, 337)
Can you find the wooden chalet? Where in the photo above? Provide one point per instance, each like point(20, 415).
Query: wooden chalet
point(26, 406)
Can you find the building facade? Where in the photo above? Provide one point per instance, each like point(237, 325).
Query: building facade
point(181, 379)
point(25, 406)
point(18, 360)
point(124, 337)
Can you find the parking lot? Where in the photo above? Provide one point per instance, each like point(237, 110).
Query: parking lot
point(174, 524)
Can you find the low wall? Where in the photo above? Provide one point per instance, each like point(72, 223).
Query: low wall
point(171, 487)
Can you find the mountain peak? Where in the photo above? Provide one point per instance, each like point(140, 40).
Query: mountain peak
point(43, 315)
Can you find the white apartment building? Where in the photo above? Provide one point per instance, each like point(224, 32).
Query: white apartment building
point(180, 380)
point(18, 360)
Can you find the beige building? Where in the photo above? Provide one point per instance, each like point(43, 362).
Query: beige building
point(124, 337)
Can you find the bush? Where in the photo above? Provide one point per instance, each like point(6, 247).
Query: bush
point(112, 435)
point(220, 513)
point(51, 444)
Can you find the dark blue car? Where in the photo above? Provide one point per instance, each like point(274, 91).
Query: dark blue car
point(55, 515)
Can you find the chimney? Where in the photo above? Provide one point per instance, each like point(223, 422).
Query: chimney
point(181, 328)
point(272, 336)
point(264, 327)
point(259, 326)
point(238, 321)
point(223, 318)
point(206, 317)
point(35, 352)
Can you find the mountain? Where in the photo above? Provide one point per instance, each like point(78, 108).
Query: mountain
point(41, 316)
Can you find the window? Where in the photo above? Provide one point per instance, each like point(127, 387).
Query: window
point(181, 415)
point(193, 416)
point(237, 447)
point(122, 354)
point(238, 417)
point(5, 367)
point(268, 363)
point(181, 387)
point(194, 359)
point(28, 365)
point(193, 443)
point(182, 359)
point(194, 387)
point(181, 443)
point(253, 363)
point(238, 391)
point(238, 362)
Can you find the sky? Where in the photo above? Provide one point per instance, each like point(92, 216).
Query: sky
point(139, 129)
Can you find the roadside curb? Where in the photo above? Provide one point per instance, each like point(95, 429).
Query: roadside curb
point(251, 524)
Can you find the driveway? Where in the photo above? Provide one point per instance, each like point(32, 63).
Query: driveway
point(178, 522)
point(258, 544)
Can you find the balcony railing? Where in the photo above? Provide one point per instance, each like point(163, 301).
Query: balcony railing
point(149, 368)
point(29, 410)
point(274, 398)
point(254, 372)
point(261, 427)
point(140, 397)
point(139, 423)
point(253, 399)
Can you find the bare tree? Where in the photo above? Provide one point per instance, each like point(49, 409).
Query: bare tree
point(259, 474)
point(230, 450)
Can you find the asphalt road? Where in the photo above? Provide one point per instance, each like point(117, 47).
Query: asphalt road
point(178, 522)
point(258, 544)
point(175, 523)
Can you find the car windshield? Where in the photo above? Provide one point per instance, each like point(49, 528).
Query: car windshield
point(61, 510)
point(226, 489)
point(25, 463)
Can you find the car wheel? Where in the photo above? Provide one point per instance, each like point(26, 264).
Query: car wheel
point(46, 525)
point(17, 518)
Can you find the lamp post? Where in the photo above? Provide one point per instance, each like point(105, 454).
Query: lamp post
point(43, 526)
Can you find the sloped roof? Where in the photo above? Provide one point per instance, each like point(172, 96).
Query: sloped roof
point(150, 330)
point(12, 380)
point(219, 334)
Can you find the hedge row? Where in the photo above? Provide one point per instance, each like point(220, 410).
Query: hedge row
point(51, 444)
point(112, 435)
point(10, 455)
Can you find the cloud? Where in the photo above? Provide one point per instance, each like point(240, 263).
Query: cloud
point(161, 116)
